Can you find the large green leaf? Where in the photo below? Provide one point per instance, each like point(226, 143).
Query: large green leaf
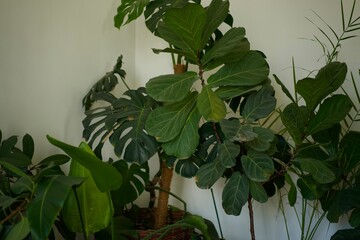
point(130, 9)
point(235, 194)
point(19, 231)
point(308, 187)
point(185, 144)
point(208, 174)
point(318, 170)
point(172, 87)
point(331, 111)
point(50, 196)
point(96, 208)
point(210, 106)
point(235, 131)
point(350, 145)
point(346, 234)
point(205, 226)
point(230, 48)
point(188, 167)
point(354, 219)
point(292, 194)
point(135, 178)
point(294, 120)
point(105, 176)
point(228, 151)
point(259, 104)
point(258, 167)
point(232, 92)
point(124, 121)
point(251, 70)
point(328, 79)
point(167, 122)
point(183, 28)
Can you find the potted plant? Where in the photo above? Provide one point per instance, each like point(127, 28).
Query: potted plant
point(191, 129)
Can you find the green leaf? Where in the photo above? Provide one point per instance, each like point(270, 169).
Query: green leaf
point(307, 188)
point(235, 194)
point(19, 231)
point(228, 151)
point(232, 92)
point(8, 145)
point(263, 141)
point(259, 104)
point(28, 145)
point(258, 167)
point(185, 144)
point(6, 201)
point(100, 171)
point(230, 48)
point(130, 9)
point(258, 192)
point(55, 160)
point(171, 88)
point(328, 79)
point(205, 226)
point(350, 145)
point(346, 234)
point(135, 177)
point(96, 208)
point(208, 174)
point(292, 194)
point(50, 196)
point(166, 123)
point(331, 111)
point(210, 106)
point(284, 89)
point(216, 14)
point(183, 28)
point(23, 185)
point(188, 167)
point(318, 170)
point(354, 219)
point(251, 70)
point(294, 121)
point(13, 169)
point(235, 131)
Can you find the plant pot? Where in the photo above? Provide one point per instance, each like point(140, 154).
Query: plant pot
point(145, 220)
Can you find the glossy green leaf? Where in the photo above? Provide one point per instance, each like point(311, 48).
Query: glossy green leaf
point(230, 48)
point(166, 123)
point(135, 178)
point(185, 144)
point(96, 208)
point(232, 92)
point(307, 188)
point(28, 145)
point(350, 145)
point(100, 171)
point(235, 194)
point(55, 160)
point(251, 70)
point(50, 196)
point(293, 119)
point(210, 106)
point(188, 167)
point(259, 104)
point(331, 111)
point(228, 151)
point(208, 174)
point(263, 141)
point(292, 194)
point(216, 14)
point(19, 231)
point(235, 131)
point(258, 192)
point(328, 79)
point(258, 167)
point(172, 87)
point(128, 11)
point(318, 170)
point(183, 28)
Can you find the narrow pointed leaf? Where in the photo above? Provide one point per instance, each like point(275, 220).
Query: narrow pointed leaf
point(235, 194)
point(50, 196)
point(292, 194)
point(211, 107)
point(171, 88)
point(100, 171)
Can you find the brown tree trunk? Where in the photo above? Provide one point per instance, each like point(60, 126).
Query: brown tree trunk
point(165, 180)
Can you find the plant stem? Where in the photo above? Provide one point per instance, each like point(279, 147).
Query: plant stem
point(13, 213)
point(217, 214)
point(251, 215)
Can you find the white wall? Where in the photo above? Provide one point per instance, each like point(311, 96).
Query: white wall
point(52, 51)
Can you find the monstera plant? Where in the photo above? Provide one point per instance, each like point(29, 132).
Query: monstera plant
point(203, 120)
